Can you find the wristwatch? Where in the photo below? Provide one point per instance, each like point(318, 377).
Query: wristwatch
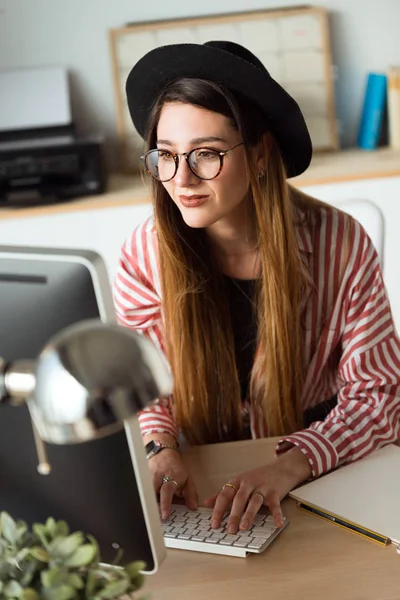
point(155, 446)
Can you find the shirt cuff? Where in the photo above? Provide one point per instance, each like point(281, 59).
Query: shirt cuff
point(155, 423)
point(319, 451)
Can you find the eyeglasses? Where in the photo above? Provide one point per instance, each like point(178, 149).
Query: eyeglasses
point(205, 163)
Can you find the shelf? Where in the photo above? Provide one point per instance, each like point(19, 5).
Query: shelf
point(325, 168)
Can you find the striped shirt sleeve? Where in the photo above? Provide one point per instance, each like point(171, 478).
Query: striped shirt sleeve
point(137, 302)
point(367, 415)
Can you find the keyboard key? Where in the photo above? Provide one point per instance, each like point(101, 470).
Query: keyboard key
point(184, 536)
point(270, 519)
point(217, 536)
point(192, 520)
point(263, 532)
point(243, 541)
point(259, 541)
point(193, 532)
point(267, 528)
point(229, 540)
point(198, 538)
point(178, 530)
point(170, 534)
point(240, 543)
point(211, 541)
point(259, 518)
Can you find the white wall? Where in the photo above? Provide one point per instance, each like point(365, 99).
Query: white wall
point(74, 33)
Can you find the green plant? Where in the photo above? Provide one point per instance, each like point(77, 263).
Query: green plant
point(47, 562)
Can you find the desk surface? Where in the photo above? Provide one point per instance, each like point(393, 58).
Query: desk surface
point(310, 560)
point(329, 167)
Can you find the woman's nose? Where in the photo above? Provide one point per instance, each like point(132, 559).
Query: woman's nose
point(184, 176)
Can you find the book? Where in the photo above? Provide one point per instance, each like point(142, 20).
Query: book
point(372, 111)
point(393, 99)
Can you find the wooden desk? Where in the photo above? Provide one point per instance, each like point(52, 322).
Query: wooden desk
point(310, 560)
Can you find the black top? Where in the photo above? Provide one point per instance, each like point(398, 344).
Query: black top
point(244, 323)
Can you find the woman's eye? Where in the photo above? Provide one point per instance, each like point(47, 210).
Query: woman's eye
point(165, 155)
point(207, 155)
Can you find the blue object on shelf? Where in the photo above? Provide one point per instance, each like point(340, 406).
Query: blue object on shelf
point(373, 110)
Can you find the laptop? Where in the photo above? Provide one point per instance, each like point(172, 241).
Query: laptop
point(363, 497)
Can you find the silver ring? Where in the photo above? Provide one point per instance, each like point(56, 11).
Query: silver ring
point(168, 479)
point(259, 493)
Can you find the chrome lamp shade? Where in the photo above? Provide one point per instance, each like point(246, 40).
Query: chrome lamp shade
point(89, 379)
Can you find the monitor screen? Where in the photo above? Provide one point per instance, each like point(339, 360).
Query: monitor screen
point(102, 487)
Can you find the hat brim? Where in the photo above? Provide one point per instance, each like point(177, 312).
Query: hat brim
point(164, 64)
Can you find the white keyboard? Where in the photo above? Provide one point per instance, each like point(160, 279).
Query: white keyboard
point(191, 530)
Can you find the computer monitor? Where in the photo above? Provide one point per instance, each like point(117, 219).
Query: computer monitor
point(102, 487)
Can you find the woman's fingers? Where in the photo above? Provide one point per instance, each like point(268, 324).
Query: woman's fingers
point(223, 501)
point(274, 506)
point(239, 504)
point(189, 493)
point(167, 491)
point(255, 503)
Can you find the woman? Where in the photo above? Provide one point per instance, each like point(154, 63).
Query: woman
point(269, 305)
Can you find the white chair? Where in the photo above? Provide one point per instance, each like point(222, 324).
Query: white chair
point(371, 218)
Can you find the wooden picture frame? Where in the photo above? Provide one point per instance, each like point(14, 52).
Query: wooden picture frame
point(293, 44)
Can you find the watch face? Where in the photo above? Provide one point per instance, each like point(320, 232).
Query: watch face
point(152, 448)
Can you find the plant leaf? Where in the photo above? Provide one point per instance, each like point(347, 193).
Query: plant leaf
point(22, 530)
point(41, 532)
point(138, 581)
point(84, 555)
point(62, 547)
point(91, 584)
point(53, 577)
point(60, 592)
point(96, 545)
point(51, 526)
point(114, 589)
point(62, 529)
point(39, 553)
point(12, 589)
point(118, 557)
point(134, 568)
point(22, 554)
point(29, 572)
point(75, 581)
point(8, 528)
point(29, 594)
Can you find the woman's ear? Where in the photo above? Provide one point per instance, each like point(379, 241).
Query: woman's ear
point(261, 153)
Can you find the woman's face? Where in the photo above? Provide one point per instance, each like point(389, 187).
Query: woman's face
point(202, 203)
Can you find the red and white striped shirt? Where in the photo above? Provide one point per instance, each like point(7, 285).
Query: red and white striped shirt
point(351, 346)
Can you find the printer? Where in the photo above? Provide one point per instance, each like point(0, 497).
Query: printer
point(41, 157)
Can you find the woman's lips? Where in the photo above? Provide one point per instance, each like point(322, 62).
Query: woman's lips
point(192, 201)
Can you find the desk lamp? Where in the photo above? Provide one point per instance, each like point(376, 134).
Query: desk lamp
point(87, 380)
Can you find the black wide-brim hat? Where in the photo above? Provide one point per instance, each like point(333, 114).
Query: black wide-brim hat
point(233, 66)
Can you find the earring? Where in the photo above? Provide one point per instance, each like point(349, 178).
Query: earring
point(260, 175)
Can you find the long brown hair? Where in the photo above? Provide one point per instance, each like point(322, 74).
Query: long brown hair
point(199, 337)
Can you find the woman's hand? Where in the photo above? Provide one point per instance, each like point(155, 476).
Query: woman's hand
point(267, 486)
point(169, 463)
